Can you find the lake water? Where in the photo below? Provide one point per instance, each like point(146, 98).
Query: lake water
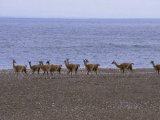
point(99, 40)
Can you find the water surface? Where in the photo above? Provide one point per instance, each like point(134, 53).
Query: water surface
point(99, 40)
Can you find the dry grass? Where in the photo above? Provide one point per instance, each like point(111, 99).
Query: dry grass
point(110, 95)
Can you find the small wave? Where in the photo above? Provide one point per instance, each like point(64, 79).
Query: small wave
point(130, 46)
point(117, 45)
point(141, 46)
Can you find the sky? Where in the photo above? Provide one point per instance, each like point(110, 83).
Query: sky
point(80, 8)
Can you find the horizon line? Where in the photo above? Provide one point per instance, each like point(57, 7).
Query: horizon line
point(14, 17)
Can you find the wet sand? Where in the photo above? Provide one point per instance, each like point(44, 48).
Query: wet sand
point(110, 95)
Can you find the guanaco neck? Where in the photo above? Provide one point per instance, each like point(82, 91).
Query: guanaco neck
point(116, 64)
point(85, 63)
point(30, 65)
point(66, 63)
point(153, 64)
point(13, 65)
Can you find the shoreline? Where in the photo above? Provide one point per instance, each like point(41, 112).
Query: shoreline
point(106, 68)
point(100, 71)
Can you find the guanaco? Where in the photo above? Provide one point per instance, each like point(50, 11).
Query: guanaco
point(54, 68)
point(34, 68)
point(19, 68)
point(156, 67)
point(90, 67)
point(123, 66)
point(71, 67)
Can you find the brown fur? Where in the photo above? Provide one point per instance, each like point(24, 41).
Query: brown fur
point(90, 67)
point(156, 67)
point(34, 68)
point(123, 66)
point(71, 67)
point(19, 68)
point(53, 68)
point(44, 68)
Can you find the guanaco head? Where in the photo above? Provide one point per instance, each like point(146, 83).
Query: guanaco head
point(152, 62)
point(48, 62)
point(86, 60)
point(113, 62)
point(41, 62)
point(14, 61)
point(67, 60)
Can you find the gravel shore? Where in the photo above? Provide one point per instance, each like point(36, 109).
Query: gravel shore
point(110, 95)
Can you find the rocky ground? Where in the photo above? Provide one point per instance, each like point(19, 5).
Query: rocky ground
point(110, 95)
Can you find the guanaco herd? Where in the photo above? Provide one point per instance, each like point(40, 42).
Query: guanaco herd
point(46, 68)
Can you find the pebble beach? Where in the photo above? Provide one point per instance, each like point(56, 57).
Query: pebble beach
point(110, 95)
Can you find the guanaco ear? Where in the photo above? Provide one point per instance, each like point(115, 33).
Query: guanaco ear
point(14, 61)
point(67, 59)
point(40, 62)
point(48, 61)
point(87, 60)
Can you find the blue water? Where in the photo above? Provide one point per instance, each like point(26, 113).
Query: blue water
point(99, 40)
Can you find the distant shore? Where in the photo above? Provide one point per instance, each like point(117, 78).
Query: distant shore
point(108, 95)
